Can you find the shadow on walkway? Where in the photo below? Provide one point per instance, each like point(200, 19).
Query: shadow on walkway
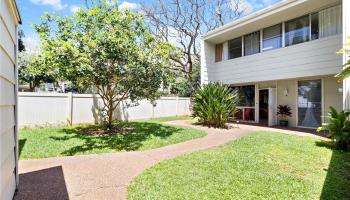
point(46, 184)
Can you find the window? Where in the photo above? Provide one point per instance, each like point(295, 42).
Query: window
point(297, 31)
point(330, 21)
point(252, 43)
point(218, 52)
point(314, 27)
point(309, 103)
point(272, 37)
point(246, 104)
point(235, 48)
point(246, 95)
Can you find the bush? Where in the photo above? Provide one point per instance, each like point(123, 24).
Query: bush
point(284, 111)
point(214, 104)
point(338, 127)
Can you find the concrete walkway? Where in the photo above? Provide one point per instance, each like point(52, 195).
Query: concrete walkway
point(106, 176)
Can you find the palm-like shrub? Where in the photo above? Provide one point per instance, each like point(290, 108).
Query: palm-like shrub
point(214, 104)
point(338, 127)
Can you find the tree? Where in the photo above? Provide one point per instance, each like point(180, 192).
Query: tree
point(33, 70)
point(184, 21)
point(345, 73)
point(21, 46)
point(108, 48)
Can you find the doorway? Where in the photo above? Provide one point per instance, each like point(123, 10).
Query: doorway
point(264, 106)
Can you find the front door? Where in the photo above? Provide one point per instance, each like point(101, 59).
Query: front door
point(264, 106)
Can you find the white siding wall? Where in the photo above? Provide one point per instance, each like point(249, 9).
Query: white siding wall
point(346, 34)
point(55, 109)
point(8, 38)
point(314, 58)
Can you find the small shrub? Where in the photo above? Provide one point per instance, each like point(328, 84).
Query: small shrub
point(284, 111)
point(214, 104)
point(338, 127)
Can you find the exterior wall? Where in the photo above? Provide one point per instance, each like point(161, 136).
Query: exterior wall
point(346, 56)
point(331, 95)
point(50, 108)
point(313, 58)
point(207, 58)
point(289, 100)
point(8, 88)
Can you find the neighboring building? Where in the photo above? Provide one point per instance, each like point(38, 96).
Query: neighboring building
point(282, 55)
point(9, 20)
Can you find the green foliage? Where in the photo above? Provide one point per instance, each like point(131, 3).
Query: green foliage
point(345, 73)
point(264, 165)
point(338, 127)
point(108, 48)
point(214, 103)
point(186, 86)
point(33, 70)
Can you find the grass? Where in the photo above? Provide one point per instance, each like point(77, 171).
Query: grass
point(69, 141)
point(264, 165)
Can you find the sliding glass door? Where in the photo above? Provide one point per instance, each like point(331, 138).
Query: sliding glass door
point(309, 103)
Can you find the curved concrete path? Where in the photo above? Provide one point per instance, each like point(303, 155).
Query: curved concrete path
point(106, 176)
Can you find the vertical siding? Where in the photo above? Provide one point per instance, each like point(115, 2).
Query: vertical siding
point(7, 102)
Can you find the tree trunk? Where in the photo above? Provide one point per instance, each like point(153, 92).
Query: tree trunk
point(31, 87)
point(110, 107)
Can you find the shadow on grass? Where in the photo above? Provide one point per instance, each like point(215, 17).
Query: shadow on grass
point(141, 131)
point(21, 143)
point(337, 182)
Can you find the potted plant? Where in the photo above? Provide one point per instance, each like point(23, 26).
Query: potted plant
point(284, 111)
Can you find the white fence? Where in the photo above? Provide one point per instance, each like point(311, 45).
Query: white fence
point(56, 108)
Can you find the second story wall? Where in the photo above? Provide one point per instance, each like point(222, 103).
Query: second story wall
point(313, 58)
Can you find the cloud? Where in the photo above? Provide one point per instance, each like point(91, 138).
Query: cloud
point(129, 5)
point(32, 43)
point(56, 4)
point(74, 8)
point(246, 7)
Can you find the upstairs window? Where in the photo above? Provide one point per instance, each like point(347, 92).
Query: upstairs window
point(218, 52)
point(314, 26)
point(272, 37)
point(235, 48)
point(297, 31)
point(330, 21)
point(252, 43)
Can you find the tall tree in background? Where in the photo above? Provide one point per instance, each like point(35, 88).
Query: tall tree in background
point(182, 22)
point(108, 48)
point(32, 68)
point(21, 46)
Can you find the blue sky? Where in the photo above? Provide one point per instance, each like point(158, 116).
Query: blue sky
point(31, 10)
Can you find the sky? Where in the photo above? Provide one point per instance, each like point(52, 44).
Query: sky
point(32, 10)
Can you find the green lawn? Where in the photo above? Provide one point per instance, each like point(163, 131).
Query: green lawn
point(264, 165)
point(68, 141)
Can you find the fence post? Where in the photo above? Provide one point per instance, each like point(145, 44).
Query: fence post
point(177, 106)
point(70, 108)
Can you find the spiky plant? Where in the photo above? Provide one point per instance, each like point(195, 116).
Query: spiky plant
point(214, 103)
point(338, 127)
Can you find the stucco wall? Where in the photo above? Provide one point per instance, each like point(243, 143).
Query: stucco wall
point(331, 94)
